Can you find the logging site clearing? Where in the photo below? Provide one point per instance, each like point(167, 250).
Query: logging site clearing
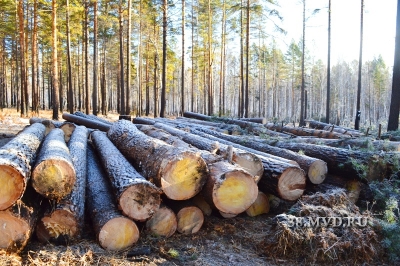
point(195, 190)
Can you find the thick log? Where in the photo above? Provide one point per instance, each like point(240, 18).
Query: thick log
point(54, 174)
point(315, 169)
point(18, 222)
point(89, 123)
point(16, 158)
point(63, 223)
point(93, 117)
point(180, 173)
point(137, 197)
point(300, 131)
point(113, 230)
point(260, 206)
point(163, 223)
point(229, 189)
point(329, 127)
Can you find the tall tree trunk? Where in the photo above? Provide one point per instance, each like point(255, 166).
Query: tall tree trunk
point(183, 60)
point(222, 65)
point(155, 88)
point(70, 89)
point(193, 65)
point(128, 60)
point(246, 96)
point(121, 61)
point(104, 83)
point(56, 101)
point(210, 71)
point(302, 100)
point(358, 114)
point(140, 66)
point(35, 88)
point(328, 74)
point(22, 55)
point(164, 60)
point(87, 96)
point(147, 83)
point(95, 60)
point(393, 123)
point(241, 92)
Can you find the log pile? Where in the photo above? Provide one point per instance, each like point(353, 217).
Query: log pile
point(170, 174)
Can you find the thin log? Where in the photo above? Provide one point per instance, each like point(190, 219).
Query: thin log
point(137, 198)
point(113, 230)
point(329, 127)
point(260, 206)
point(93, 117)
point(16, 158)
point(220, 127)
point(143, 121)
point(64, 222)
point(89, 123)
point(180, 173)
point(300, 131)
point(163, 223)
point(54, 174)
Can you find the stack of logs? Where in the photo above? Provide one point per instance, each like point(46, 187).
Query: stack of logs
point(169, 173)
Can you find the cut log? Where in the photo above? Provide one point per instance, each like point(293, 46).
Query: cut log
point(202, 204)
point(143, 121)
point(113, 230)
point(68, 129)
point(300, 131)
point(229, 189)
point(89, 123)
point(180, 173)
point(125, 117)
point(315, 169)
point(63, 222)
point(137, 198)
point(163, 223)
point(16, 158)
point(259, 120)
point(329, 127)
point(260, 206)
point(219, 127)
point(227, 215)
point(18, 222)
point(93, 117)
point(54, 175)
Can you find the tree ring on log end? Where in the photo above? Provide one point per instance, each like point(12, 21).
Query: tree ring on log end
point(184, 177)
point(317, 172)
point(291, 184)
point(140, 201)
point(12, 185)
point(235, 193)
point(162, 223)
point(61, 226)
point(118, 233)
point(190, 220)
point(14, 231)
point(53, 178)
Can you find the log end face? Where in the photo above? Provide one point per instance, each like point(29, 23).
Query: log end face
point(184, 177)
point(140, 201)
point(190, 220)
point(118, 233)
point(292, 184)
point(14, 232)
point(251, 163)
point(317, 172)
point(12, 186)
point(163, 223)
point(54, 179)
point(235, 193)
point(260, 206)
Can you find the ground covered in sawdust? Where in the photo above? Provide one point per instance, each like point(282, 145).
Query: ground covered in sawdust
point(236, 241)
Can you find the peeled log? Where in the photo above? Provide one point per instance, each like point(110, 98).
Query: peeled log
point(137, 198)
point(229, 189)
point(113, 230)
point(180, 173)
point(54, 175)
point(18, 222)
point(260, 206)
point(163, 222)
point(63, 222)
point(16, 158)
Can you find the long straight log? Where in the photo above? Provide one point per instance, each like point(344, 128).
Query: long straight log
point(300, 131)
point(16, 158)
point(329, 127)
point(315, 169)
point(113, 230)
point(18, 222)
point(93, 117)
point(137, 197)
point(259, 120)
point(219, 127)
point(54, 174)
point(163, 223)
point(180, 173)
point(89, 123)
point(64, 222)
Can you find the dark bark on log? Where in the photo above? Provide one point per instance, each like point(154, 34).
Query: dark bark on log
point(163, 223)
point(93, 117)
point(89, 123)
point(143, 121)
point(220, 127)
point(54, 175)
point(19, 221)
point(16, 159)
point(315, 169)
point(328, 127)
point(299, 131)
point(113, 230)
point(137, 197)
point(259, 120)
point(390, 137)
point(63, 223)
point(181, 173)
point(125, 117)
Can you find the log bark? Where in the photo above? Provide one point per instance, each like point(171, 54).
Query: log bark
point(180, 173)
point(113, 230)
point(259, 120)
point(18, 222)
point(300, 131)
point(219, 127)
point(143, 121)
point(315, 169)
point(260, 206)
point(54, 175)
point(89, 123)
point(329, 127)
point(93, 117)
point(137, 197)
point(63, 223)
point(16, 158)
point(163, 223)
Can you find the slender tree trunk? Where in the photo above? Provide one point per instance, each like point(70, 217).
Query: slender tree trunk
point(87, 96)
point(56, 102)
point(358, 114)
point(140, 66)
point(35, 87)
point(393, 123)
point(70, 90)
point(22, 55)
point(328, 75)
point(155, 89)
point(302, 100)
point(121, 61)
point(183, 60)
point(246, 96)
point(128, 61)
point(210, 85)
point(193, 65)
point(242, 83)
point(222, 65)
point(95, 60)
point(164, 60)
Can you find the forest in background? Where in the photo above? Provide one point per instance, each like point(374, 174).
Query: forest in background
point(125, 56)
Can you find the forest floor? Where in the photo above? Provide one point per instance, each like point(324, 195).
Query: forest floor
point(235, 241)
